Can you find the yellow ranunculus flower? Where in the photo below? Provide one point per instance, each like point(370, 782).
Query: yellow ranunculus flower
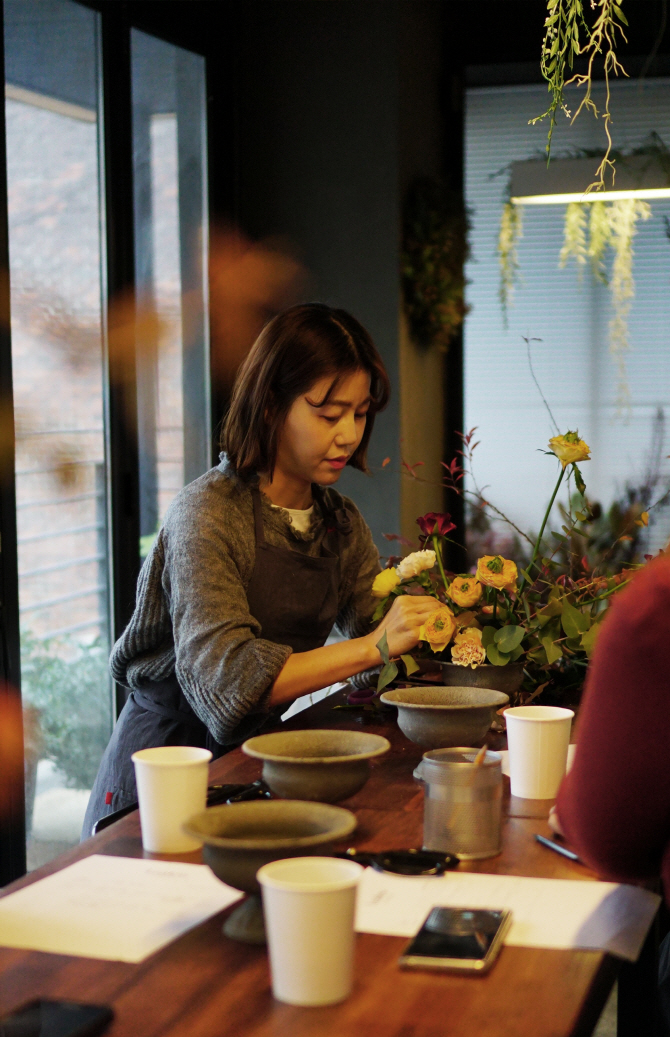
point(497, 572)
point(472, 634)
point(570, 448)
point(439, 628)
point(384, 582)
point(465, 591)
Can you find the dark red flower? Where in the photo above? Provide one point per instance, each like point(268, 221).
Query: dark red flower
point(435, 523)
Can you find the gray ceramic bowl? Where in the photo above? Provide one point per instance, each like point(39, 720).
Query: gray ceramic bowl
point(442, 717)
point(241, 837)
point(320, 765)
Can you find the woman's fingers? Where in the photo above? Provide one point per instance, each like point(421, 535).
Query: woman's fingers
point(404, 620)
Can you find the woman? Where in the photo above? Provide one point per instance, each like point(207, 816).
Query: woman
point(260, 557)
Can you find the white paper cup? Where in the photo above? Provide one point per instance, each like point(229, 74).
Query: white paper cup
point(309, 905)
point(171, 788)
point(538, 739)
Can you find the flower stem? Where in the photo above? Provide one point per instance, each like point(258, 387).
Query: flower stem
point(436, 545)
point(536, 549)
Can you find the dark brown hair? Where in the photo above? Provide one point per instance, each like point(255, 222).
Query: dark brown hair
point(293, 351)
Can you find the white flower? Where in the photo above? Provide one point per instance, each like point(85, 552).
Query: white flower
point(415, 563)
point(468, 653)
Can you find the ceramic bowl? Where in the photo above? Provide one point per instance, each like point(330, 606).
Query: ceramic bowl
point(442, 717)
point(318, 765)
point(240, 838)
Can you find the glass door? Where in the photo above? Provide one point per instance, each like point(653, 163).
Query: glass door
point(169, 179)
point(51, 104)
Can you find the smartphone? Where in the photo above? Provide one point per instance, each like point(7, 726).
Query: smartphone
point(458, 939)
point(56, 1019)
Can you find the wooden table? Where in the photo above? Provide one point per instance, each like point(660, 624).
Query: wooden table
point(204, 985)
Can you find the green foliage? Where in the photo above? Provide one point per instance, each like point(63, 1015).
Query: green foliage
point(511, 230)
point(73, 696)
point(411, 666)
point(389, 670)
point(568, 35)
point(434, 250)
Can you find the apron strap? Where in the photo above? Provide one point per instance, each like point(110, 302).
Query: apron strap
point(338, 518)
point(149, 703)
point(258, 515)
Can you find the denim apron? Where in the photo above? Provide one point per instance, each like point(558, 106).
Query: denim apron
point(293, 596)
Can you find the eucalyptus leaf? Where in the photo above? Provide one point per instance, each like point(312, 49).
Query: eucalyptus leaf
point(508, 638)
point(579, 480)
point(554, 651)
point(389, 673)
point(495, 656)
point(383, 648)
point(573, 621)
point(488, 634)
point(588, 639)
point(516, 654)
point(411, 665)
point(554, 607)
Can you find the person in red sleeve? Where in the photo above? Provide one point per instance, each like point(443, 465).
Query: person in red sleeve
point(614, 805)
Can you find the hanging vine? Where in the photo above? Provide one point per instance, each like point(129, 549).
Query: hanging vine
point(574, 237)
point(511, 230)
point(567, 35)
point(623, 216)
point(600, 235)
point(613, 224)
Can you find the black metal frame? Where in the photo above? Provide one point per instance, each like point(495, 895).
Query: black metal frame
point(12, 798)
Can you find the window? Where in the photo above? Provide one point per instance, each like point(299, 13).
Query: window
point(570, 316)
point(170, 260)
point(75, 457)
point(51, 55)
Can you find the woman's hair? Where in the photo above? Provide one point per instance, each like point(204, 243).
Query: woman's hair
point(294, 350)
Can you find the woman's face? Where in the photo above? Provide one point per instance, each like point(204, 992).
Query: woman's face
point(316, 442)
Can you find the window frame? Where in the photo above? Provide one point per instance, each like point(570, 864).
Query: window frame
point(118, 280)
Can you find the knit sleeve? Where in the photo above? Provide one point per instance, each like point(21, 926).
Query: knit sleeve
point(614, 805)
point(223, 665)
point(145, 650)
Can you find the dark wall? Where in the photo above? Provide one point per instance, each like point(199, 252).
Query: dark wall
point(317, 163)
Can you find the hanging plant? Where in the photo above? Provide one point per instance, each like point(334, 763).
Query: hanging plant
point(574, 237)
point(592, 226)
point(511, 230)
point(624, 215)
point(434, 251)
point(567, 35)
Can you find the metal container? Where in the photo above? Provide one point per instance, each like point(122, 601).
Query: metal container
point(462, 802)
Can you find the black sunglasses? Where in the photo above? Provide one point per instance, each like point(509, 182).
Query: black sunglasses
point(403, 862)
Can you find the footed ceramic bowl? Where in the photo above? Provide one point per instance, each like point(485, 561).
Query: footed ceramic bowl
point(240, 838)
point(443, 717)
point(318, 765)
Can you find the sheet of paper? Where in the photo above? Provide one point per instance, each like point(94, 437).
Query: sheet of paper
point(116, 908)
point(550, 913)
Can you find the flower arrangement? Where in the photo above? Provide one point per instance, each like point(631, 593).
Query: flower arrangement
point(545, 615)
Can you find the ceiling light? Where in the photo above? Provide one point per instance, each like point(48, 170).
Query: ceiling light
point(567, 180)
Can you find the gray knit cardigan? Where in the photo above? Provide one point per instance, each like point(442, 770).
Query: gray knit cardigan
point(191, 614)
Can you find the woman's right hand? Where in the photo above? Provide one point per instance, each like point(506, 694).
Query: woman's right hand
point(403, 621)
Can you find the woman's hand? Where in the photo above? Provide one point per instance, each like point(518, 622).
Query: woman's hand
point(403, 621)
